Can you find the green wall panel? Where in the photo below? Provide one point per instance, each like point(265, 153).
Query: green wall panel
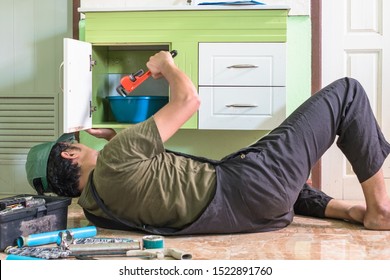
point(201, 26)
point(298, 61)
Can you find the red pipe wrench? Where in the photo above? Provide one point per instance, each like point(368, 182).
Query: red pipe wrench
point(130, 82)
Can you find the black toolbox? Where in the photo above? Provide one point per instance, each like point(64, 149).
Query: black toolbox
point(50, 215)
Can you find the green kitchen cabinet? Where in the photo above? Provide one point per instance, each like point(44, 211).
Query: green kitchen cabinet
point(122, 40)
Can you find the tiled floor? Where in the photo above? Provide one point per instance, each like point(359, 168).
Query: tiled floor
point(305, 239)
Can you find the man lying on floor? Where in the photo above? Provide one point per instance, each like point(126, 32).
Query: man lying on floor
point(134, 183)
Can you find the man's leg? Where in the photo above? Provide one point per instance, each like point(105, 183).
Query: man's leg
point(342, 109)
point(344, 210)
point(377, 216)
point(315, 203)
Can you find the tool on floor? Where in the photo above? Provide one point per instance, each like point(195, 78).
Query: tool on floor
point(100, 246)
point(132, 81)
point(38, 252)
point(103, 249)
point(52, 236)
point(152, 242)
point(160, 254)
point(99, 240)
point(70, 248)
point(22, 258)
point(66, 238)
point(153, 248)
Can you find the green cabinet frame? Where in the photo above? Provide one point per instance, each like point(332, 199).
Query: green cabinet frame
point(182, 30)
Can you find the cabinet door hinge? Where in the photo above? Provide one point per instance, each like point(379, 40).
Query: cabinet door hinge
point(91, 63)
point(91, 109)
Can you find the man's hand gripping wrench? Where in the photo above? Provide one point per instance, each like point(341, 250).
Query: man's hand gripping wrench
point(132, 81)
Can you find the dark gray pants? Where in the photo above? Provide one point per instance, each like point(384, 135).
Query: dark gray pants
point(261, 186)
point(258, 186)
point(288, 153)
point(341, 109)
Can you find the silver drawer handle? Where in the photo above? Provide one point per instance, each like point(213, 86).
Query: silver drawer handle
point(241, 105)
point(239, 66)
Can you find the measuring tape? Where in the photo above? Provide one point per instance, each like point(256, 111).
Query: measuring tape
point(153, 242)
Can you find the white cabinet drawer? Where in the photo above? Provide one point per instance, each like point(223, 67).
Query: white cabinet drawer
point(242, 108)
point(242, 64)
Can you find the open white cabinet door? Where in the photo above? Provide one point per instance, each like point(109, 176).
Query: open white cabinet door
point(77, 86)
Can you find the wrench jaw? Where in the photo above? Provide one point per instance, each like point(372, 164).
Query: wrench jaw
point(139, 73)
point(131, 82)
point(121, 90)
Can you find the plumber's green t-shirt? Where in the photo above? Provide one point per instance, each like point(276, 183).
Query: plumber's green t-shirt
point(140, 181)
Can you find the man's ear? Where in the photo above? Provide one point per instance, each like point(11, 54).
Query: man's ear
point(70, 154)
